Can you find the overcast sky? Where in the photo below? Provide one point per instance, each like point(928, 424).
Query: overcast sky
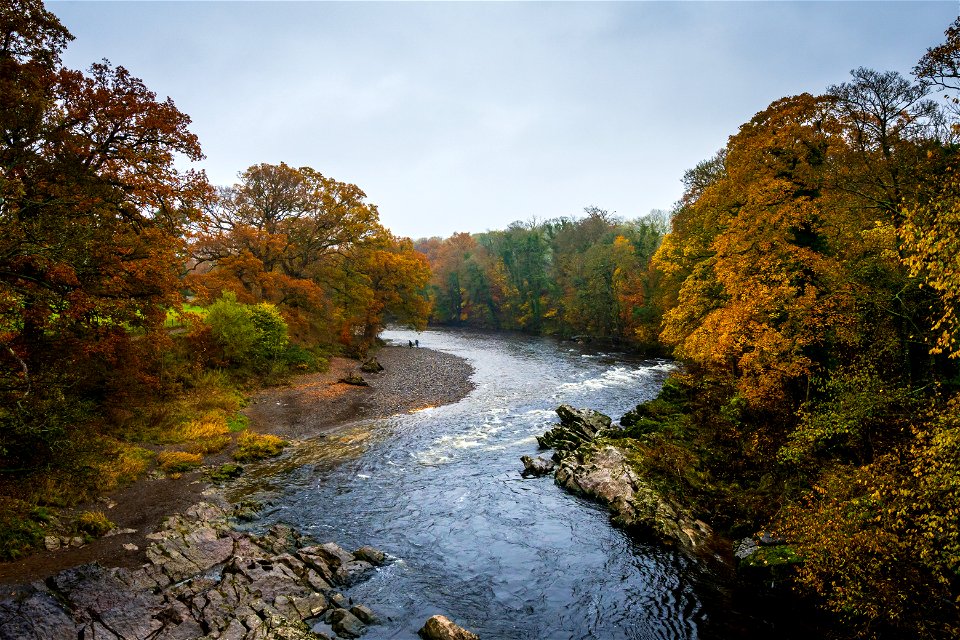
point(468, 116)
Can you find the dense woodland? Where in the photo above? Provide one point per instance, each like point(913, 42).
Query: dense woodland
point(808, 281)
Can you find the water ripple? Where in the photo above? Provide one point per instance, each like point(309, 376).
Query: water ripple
point(440, 491)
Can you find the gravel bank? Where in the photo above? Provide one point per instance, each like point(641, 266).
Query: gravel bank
point(412, 379)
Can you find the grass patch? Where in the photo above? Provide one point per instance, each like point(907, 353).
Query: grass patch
point(21, 528)
point(179, 461)
point(206, 435)
point(255, 446)
point(237, 422)
point(93, 524)
point(123, 464)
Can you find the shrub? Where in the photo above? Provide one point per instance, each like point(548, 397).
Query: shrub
point(92, 523)
point(254, 446)
point(250, 336)
point(232, 327)
point(178, 461)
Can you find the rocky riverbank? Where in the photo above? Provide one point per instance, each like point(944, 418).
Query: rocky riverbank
point(591, 464)
point(203, 579)
point(167, 577)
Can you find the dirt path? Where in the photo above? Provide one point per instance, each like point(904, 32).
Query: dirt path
point(310, 405)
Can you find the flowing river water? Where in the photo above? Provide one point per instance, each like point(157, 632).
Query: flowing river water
point(440, 491)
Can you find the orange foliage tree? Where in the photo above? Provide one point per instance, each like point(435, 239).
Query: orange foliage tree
point(312, 246)
point(92, 214)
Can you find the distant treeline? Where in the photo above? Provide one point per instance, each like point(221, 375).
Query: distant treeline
point(567, 276)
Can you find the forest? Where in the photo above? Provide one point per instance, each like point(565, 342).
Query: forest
point(808, 282)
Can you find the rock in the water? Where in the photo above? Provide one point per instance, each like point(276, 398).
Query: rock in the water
point(576, 427)
point(364, 614)
point(345, 624)
point(442, 628)
point(535, 467)
point(355, 379)
point(371, 365)
point(368, 554)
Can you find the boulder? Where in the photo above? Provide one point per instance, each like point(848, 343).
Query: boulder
point(364, 614)
point(355, 379)
point(368, 554)
point(371, 365)
point(576, 427)
point(442, 628)
point(536, 467)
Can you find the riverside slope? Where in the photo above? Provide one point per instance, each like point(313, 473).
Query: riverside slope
point(308, 406)
point(197, 575)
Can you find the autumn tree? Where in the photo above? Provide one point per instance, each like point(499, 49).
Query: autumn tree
point(93, 210)
point(931, 229)
point(312, 246)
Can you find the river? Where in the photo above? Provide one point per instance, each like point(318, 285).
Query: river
point(440, 491)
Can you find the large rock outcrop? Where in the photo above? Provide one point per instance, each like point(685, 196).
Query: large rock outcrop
point(604, 473)
point(591, 466)
point(203, 579)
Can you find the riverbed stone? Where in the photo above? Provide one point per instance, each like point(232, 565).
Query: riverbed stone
point(345, 624)
point(331, 553)
point(33, 612)
point(442, 628)
point(536, 467)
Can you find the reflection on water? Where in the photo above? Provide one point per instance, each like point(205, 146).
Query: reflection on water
point(440, 491)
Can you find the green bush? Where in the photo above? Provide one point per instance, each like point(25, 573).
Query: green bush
point(252, 337)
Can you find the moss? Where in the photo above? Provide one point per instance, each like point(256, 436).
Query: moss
point(777, 563)
point(225, 472)
point(255, 446)
point(21, 528)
